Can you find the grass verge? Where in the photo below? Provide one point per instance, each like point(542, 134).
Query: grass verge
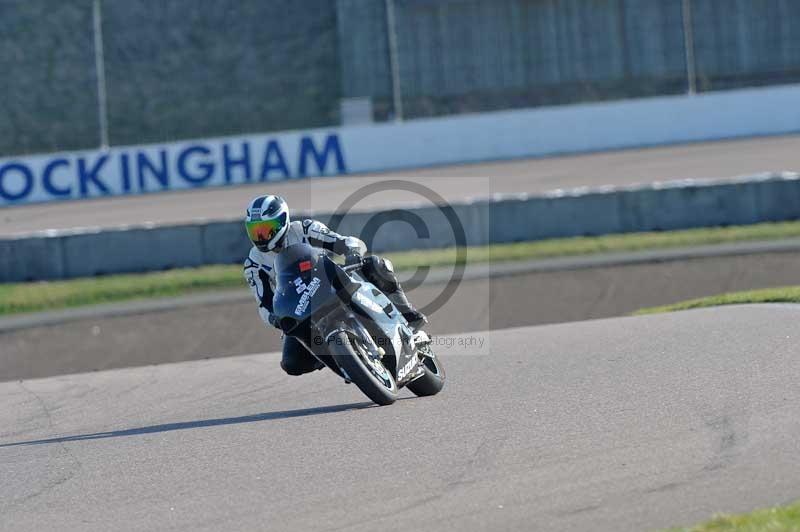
point(17, 298)
point(564, 247)
point(776, 519)
point(31, 297)
point(787, 294)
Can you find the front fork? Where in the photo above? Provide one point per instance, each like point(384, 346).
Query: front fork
point(419, 342)
point(351, 327)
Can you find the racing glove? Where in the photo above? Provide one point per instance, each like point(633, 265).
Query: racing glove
point(274, 321)
point(352, 258)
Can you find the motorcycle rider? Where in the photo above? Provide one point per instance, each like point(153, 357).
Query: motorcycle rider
point(271, 230)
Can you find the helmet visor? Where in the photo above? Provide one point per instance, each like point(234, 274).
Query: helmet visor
point(262, 231)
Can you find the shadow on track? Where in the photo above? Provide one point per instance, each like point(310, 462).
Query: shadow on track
point(168, 427)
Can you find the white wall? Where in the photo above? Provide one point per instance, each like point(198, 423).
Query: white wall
point(576, 128)
point(417, 143)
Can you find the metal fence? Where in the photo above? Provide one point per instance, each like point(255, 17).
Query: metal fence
point(172, 70)
point(83, 73)
point(459, 56)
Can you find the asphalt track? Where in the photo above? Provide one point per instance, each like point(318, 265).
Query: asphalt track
point(621, 424)
point(541, 292)
point(453, 183)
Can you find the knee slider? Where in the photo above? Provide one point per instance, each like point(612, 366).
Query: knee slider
point(292, 369)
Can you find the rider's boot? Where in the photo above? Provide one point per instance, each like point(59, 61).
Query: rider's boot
point(416, 319)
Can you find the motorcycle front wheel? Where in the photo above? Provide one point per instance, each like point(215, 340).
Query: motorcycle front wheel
point(355, 357)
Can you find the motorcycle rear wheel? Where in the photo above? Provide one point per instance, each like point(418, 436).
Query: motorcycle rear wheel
point(371, 377)
point(432, 381)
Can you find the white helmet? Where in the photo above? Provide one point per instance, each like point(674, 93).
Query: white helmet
point(267, 222)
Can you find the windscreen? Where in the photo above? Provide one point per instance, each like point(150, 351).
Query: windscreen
point(298, 260)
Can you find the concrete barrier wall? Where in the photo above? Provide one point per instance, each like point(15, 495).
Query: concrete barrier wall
point(413, 144)
point(580, 212)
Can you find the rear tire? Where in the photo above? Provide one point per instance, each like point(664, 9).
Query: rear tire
point(432, 381)
point(378, 385)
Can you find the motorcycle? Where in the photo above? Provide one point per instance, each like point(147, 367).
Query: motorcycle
point(349, 325)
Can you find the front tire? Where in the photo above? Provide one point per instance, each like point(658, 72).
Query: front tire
point(352, 355)
point(432, 381)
